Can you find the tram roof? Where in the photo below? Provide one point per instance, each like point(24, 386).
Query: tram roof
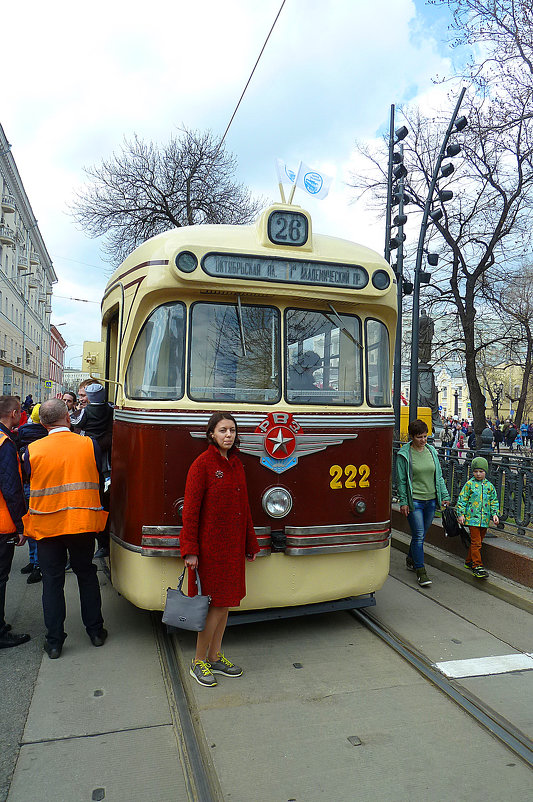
point(248, 239)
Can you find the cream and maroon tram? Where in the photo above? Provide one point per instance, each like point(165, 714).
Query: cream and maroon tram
point(290, 331)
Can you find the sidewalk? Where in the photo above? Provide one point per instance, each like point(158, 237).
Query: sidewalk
point(99, 725)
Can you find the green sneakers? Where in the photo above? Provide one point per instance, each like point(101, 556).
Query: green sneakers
point(201, 672)
point(479, 572)
point(422, 578)
point(409, 564)
point(225, 667)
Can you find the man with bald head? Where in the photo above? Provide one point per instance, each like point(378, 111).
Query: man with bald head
point(65, 512)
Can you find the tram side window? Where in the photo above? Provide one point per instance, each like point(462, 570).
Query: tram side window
point(234, 353)
point(156, 366)
point(377, 364)
point(323, 359)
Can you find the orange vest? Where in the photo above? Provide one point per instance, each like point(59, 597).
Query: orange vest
point(64, 487)
point(6, 521)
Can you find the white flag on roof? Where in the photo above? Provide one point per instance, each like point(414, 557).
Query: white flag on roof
point(285, 174)
point(314, 182)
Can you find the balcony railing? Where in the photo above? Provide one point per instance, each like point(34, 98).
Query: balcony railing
point(7, 235)
point(8, 203)
point(34, 259)
point(22, 262)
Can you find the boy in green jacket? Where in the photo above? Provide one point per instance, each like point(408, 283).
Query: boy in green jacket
point(477, 504)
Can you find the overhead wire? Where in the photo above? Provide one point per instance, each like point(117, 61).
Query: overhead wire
point(250, 77)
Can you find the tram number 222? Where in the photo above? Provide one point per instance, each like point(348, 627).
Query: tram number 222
point(353, 477)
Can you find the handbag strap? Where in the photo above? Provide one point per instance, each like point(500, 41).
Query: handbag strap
point(198, 583)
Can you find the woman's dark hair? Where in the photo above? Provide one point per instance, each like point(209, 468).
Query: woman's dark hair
point(215, 418)
point(417, 427)
point(71, 394)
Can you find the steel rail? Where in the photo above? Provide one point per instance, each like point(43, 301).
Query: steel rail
point(488, 718)
point(200, 775)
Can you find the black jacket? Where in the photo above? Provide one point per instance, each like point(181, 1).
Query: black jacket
point(10, 482)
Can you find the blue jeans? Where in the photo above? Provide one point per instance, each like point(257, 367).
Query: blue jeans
point(419, 521)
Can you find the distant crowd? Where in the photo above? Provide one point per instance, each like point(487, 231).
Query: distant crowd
point(459, 434)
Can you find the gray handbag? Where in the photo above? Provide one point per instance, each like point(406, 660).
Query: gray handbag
point(186, 612)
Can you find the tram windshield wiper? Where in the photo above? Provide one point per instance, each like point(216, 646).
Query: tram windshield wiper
point(241, 327)
point(342, 326)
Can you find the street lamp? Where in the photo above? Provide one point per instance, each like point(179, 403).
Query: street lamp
point(456, 403)
point(497, 391)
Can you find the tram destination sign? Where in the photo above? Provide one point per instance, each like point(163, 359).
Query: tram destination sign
point(291, 271)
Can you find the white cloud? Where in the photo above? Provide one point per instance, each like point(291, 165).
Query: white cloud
point(83, 79)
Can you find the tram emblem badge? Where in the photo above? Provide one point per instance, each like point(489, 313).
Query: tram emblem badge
point(279, 441)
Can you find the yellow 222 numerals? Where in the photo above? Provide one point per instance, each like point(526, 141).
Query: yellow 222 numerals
point(351, 473)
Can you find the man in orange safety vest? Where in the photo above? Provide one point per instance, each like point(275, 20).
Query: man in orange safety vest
point(65, 512)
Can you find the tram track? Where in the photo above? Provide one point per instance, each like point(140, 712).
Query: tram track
point(198, 767)
point(502, 729)
point(199, 772)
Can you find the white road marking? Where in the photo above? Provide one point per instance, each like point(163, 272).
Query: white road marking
point(484, 666)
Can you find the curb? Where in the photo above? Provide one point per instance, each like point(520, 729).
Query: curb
point(498, 586)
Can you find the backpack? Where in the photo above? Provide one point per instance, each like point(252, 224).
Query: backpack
point(452, 527)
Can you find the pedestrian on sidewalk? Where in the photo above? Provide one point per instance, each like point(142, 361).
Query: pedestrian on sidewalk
point(216, 536)
point(421, 488)
point(64, 514)
point(476, 506)
point(12, 509)
point(29, 433)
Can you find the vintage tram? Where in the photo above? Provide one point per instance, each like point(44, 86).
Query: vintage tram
point(293, 333)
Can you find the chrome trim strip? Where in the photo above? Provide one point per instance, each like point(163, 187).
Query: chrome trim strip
point(262, 530)
point(337, 539)
point(318, 530)
point(160, 541)
point(127, 546)
point(161, 530)
point(161, 553)
point(194, 419)
point(295, 552)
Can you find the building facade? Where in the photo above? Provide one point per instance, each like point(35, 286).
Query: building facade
point(57, 360)
point(26, 279)
point(72, 378)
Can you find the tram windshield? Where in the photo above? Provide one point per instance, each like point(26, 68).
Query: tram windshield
point(155, 369)
point(234, 353)
point(324, 358)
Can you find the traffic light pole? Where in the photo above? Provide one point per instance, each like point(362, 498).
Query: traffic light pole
point(413, 387)
point(397, 376)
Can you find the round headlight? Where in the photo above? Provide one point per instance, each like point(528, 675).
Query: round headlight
point(277, 502)
point(380, 280)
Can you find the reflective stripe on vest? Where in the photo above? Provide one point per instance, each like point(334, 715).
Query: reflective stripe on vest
point(6, 521)
point(64, 487)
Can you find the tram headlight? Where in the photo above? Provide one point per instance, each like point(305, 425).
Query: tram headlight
point(380, 280)
point(277, 502)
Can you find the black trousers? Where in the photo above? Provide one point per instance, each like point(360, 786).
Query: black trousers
point(7, 549)
point(52, 552)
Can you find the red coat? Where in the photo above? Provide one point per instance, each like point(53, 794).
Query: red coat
point(217, 526)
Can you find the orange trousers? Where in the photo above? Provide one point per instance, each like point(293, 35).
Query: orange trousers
point(477, 533)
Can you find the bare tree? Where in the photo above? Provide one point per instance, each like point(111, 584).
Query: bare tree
point(145, 189)
point(512, 299)
point(486, 224)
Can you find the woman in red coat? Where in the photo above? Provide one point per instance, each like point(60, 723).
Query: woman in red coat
point(216, 536)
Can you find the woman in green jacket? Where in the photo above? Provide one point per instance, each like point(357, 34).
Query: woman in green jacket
point(420, 489)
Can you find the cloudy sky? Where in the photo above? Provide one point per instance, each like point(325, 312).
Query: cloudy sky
point(78, 79)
